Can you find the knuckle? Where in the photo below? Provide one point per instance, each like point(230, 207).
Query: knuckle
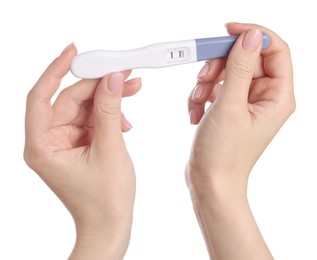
point(32, 156)
point(285, 46)
point(109, 110)
point(36, 154)
point(292, 107)
point(30, 96)
point(287, 108)
point(241, 68)
point(65, 92)
point(26, 157)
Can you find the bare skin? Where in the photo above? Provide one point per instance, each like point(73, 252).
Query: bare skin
point(251, 95)
point(76, 147)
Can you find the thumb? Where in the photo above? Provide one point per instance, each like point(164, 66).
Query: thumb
point(107, 111)
point(241, 65)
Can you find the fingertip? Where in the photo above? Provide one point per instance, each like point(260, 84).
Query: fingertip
point(115, 82)
point(204, 70)
point(252, 39)
point(61, 65)
point(51, 78)
point(67, 48)
point(126, 73)
point(67, 55)
point(125, 124)
point(131, 87)
point(235, 28)
point(134, 81)
point(211, 70)
point(229, 24)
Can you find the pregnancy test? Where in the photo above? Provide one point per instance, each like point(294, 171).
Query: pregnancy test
point(96, 64)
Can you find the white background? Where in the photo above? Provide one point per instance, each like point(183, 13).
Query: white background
point(283, 186)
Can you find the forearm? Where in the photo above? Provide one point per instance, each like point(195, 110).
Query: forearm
point(227, 224)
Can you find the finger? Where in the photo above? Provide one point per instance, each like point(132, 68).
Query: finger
point(277, 60)
point(50, 80)
point(211, 69)
point(85, 89)
point(240, 67)
point(203, 88)
point(107, 113)
point(215, 92)
point(221, 76)
point(202, 91)
point(74, 104)
point(131, 87)
point(38, 109)
point(125, 124)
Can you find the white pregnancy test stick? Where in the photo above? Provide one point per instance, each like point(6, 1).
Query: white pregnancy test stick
point(96, 64)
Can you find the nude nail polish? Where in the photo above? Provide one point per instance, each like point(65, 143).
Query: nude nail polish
point(67, 48)
point(251, 40)
point(204, 70)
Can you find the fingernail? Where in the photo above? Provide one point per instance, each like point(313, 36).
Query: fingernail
point(198, 92)
point(251, 40)
point(67, 48)
point(133, 81)
point(204, 70)
point(126, 124)
point(115, 82)
point(229, 23)
point(193, 116)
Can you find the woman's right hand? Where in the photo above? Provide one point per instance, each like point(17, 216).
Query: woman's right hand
point(247, 110)
point(251, 95)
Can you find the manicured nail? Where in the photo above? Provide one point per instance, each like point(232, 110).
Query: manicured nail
point(67, 48)
point(193, 116)
point(251, 40)
point(198, 92)
point(126, 124)
point(227, 24)
point(204, 70)
point(115, 82)
point(133, 81)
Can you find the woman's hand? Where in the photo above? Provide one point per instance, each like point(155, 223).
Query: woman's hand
point(76, 146)
point(251, 95)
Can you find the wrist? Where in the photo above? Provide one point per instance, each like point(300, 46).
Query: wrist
point(99, 247)
point(225, 218)
point(108, 239)
point(218, 199)
point(218, 185)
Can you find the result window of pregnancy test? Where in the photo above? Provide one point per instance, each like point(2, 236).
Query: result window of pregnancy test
point(177, 55)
